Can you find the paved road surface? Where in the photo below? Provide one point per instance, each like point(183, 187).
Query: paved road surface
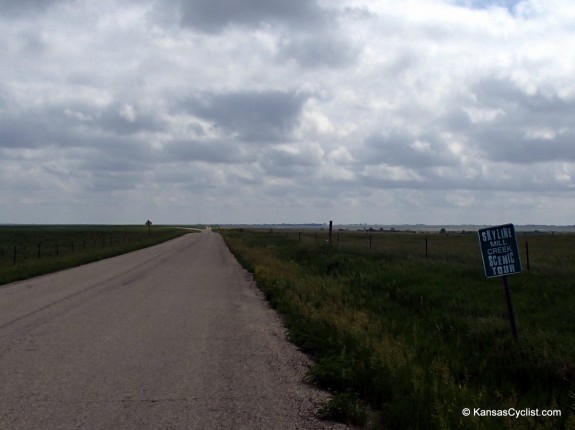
point(171, 337)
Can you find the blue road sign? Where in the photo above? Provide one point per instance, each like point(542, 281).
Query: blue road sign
point(499, 251)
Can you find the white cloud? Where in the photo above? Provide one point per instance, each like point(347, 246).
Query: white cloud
point(257, 111)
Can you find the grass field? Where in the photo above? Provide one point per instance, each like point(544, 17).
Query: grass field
point(27, 251)
point(408, 341)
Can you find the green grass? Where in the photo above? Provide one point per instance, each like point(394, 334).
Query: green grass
point(27, 251)
point(407, 341)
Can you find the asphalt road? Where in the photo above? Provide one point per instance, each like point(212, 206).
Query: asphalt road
point(176, 336)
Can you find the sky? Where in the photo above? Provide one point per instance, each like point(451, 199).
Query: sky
point(269, 111)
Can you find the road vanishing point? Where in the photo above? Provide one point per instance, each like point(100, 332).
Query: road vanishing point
point(175, 336)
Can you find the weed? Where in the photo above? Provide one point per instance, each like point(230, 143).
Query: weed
point(27, 251)
point(412, 339)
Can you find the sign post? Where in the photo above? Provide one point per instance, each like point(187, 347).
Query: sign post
point(510, 308)
point(501, 258)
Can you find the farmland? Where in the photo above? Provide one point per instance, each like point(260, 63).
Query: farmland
point(31, 250)
point(407, 332)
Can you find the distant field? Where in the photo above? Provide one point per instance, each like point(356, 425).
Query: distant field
point(27, 251)
point(409, 332)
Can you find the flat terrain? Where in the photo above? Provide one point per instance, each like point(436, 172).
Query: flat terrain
point(33, 250)
point(175, 336)
point(409, 325)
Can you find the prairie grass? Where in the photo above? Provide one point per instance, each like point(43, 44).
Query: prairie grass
point(407, 342)
point(27, 251)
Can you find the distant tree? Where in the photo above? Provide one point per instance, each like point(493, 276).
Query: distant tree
point(149, 224)
point(443, 231)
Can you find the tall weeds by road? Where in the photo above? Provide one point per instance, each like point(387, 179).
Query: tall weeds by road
point(408, 342)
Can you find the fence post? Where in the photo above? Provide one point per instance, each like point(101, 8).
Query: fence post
point(425, 246)
point(14, 258)
point(527, 253)
point(370, 241)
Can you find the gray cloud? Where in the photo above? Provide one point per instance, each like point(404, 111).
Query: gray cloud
point(310, 35)
point(15, 134)
point(211, 151)
point(530, 127)
point(505, 94)
point(312, 50)
point(127, 119)
point(260, 109)
point(212, 16)
point(267, 116)
point(297, 161)
point(73, 125)
point(17, 9)
point(484, 4)
point(516, 146)
point(34, 130)
point(405, 150)
point(106, 182)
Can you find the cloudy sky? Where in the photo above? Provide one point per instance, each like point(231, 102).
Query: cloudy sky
point(252, 111)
